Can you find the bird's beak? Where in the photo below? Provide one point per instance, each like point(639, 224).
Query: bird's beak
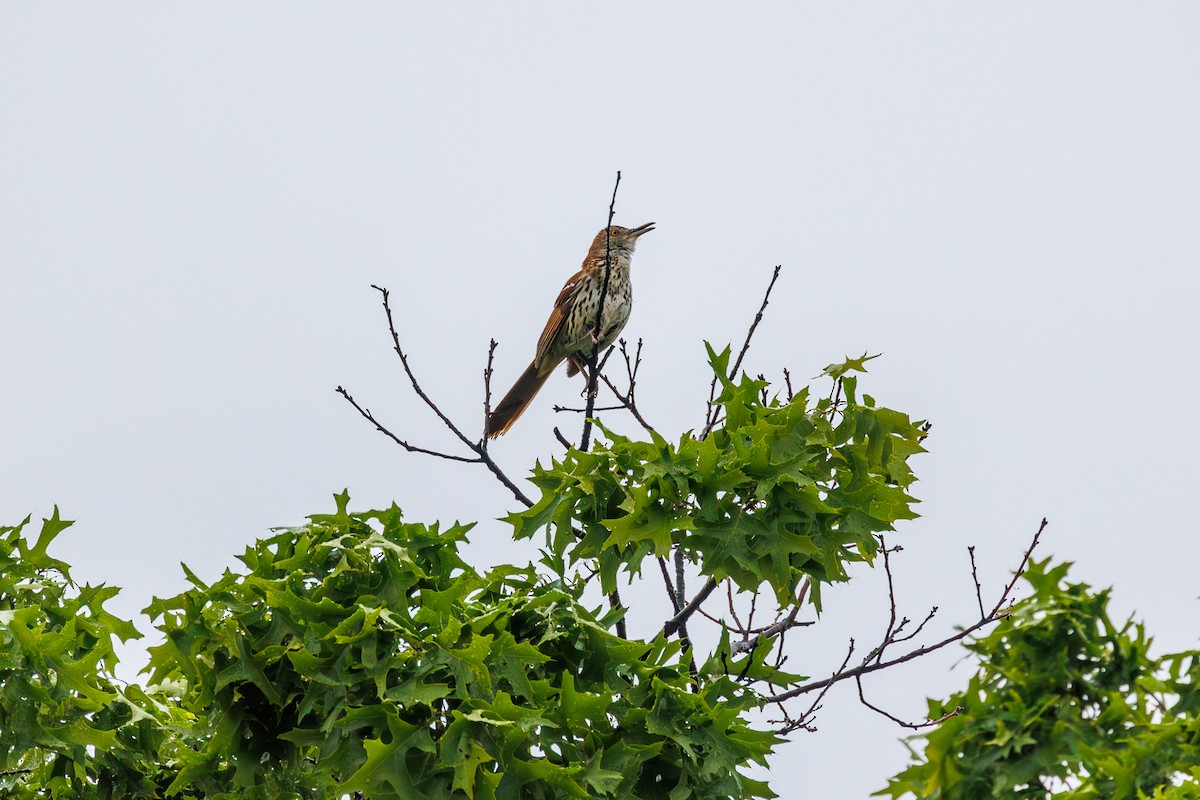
point(640, 229)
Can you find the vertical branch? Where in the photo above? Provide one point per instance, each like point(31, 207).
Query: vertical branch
point(594, 358)
point(487, 392)
point(593, 365)
point(713, 412)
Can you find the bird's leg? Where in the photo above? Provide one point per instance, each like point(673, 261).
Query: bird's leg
point(580, 360)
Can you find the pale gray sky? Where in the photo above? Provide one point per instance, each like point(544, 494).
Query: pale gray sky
point(1002, 198)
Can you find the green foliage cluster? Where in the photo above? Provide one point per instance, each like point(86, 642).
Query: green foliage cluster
point(784, 489)
point(1066, 704)
point(68, 728)
point(361, 653)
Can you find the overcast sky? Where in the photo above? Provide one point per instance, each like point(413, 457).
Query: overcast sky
point(1001, 198)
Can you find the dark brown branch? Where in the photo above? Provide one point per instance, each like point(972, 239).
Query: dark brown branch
point(891, 626)
point(975, 577)
point(627, 402)
point(835, 397)
point(676, 605)
point(412, 379)
point(412, 448)
point(867, 668)
point(562, 439)
point(680, 628)
point(916, 726)
point(478, 448)
point(680, 619)
point(1021, 569)
point(559, 409)
point(932, 613)
point(777, 628)
point(804, 721)
point(754, 325)
point(680, 578)
point(487, 391)
point(732, 608)
point(594, 364)
point(614, 602)
point(597, 333)
point(628, 399)
point(787, 379)
point(714, 412)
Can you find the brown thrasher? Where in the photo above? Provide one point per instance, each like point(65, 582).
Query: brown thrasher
point(569, 333)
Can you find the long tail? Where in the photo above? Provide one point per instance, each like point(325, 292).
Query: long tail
point(516, 401)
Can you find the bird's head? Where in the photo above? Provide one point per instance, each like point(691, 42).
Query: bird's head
point(619, 238)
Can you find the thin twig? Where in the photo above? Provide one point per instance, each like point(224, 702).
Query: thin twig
point(412, 448)
point(627, 402)
point(478, 448)
point(787, 379)
point(562, 439)
point(804, 719)
point(975, 577)
point(891, 626)
point(412, 379)
point(777, 628)
point(732, 608)
point(559, 409)
point(714, 412)
point(916, 726)
point(866, 668)
point(487, 391)
point(1020, 569)
point(932, 613)
point(835, 397)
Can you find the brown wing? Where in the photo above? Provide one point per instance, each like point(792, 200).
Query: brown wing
point(554, 325)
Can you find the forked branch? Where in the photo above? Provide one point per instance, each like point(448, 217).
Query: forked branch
point(479, 449)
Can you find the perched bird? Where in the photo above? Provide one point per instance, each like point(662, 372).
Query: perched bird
point(569, 333)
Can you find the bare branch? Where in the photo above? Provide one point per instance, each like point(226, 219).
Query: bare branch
point(835, 398)
point(975, 577)
point(627, 402)
point(754, 325)
point(412, 448)
point(713, 412)
point(680, 619)
point(614, 602)
point(732, 608)
point(932, 613)
point(891, 627)
point(805, 719)
point(562, 439)
point(594, 364)
point(478, 448)
point(627, 398)
point(559, 409)
point(487, 391)
point(1020, 569)
point(412, 379)
point(787, 379)
point(675, 602)
point(777, 628)
point(916, 726)
point(866, 668)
